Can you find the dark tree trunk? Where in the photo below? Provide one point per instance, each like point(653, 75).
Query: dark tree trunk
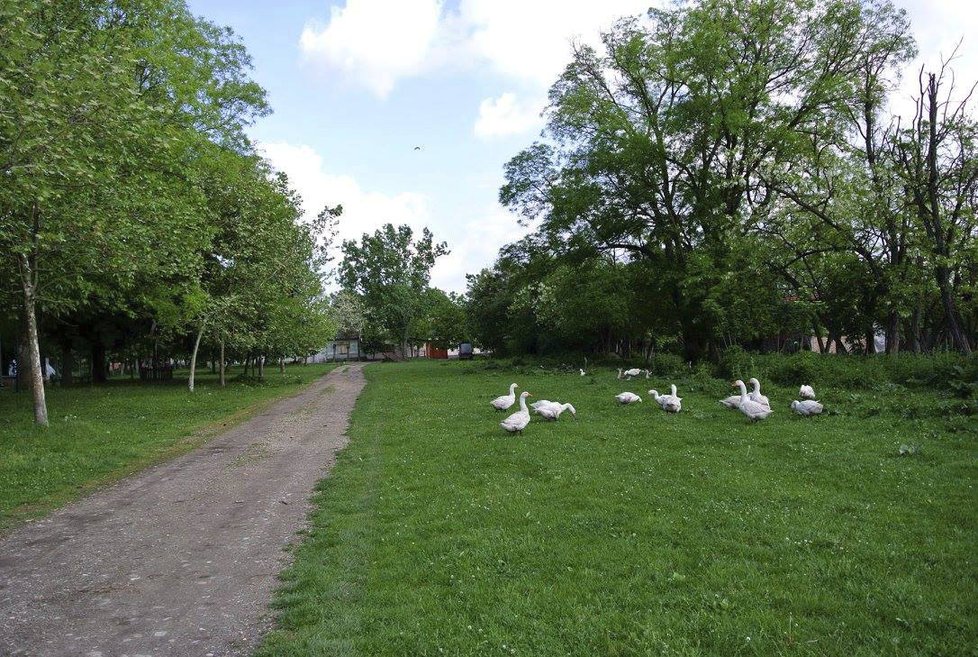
point(893, 333)
point(818, 339)
point(914, 330)
point(67, 365)
point(958, 338)
point(99, 370)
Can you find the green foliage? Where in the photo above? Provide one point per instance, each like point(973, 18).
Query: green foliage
point(740, 154)
point(946, 371)
point(390, 271)
point(132, 192)
point(665, 364)
point(735, 363)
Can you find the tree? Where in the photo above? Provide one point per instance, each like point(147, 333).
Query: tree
point(107, 109)
point(661, 146)
point(938, 157)
point(390, 271)
point(442, 321)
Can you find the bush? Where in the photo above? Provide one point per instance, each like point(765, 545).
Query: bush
point(945, 371)
point(667, 364)
point(735, 363)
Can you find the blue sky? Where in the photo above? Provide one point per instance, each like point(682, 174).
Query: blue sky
point(355, 85)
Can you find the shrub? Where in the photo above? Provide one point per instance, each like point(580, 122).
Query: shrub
point(735, 363)
point(667, 364)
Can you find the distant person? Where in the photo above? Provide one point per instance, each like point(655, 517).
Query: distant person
point(12, 368)
point(49, 371)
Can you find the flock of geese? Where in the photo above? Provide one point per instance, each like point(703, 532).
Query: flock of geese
point(752, 404)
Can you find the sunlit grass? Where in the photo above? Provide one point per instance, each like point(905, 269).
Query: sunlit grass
point(100, 433)
point(633, 532)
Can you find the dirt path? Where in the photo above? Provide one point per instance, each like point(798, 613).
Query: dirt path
point(180, 559)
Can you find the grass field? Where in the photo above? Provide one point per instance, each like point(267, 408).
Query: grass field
point(99, 434)
point(630, 532)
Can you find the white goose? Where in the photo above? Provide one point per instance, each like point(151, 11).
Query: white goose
point(806, 392)
point(628, 398)
point(807, 407)
point(733, 401)
point(583, 372)
point(505, 401)
point(553, 410)
point(670, 403)
point(516, 422)
point(752, 409)
point(675, 403)
point(756, 395)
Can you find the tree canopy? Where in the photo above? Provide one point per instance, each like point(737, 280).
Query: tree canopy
point(739, 154)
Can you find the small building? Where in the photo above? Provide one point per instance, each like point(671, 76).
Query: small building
point(339, 350)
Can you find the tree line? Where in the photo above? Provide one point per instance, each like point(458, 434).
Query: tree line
point(136, 218)
point(733, 172)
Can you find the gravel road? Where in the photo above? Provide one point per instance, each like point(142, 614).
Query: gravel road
point(180, 559)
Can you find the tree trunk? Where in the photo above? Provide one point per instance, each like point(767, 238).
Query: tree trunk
point(193, 357)
point(221, 364)
point(818, 339)
point(958, 338)
point(893, 333)
point(28, 279)
point(99, 374)
point(67, 365)
point(281, 365)
point(261, 367)
point(914, 329)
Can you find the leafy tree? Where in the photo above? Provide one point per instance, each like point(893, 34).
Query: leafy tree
point(108, 109)
point(442, 322)
point(660, 145)
point(390, 271)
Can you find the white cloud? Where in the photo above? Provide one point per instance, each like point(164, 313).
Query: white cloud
point(531, 41)
point(938, 27)
point(363, 211)
point(507, 115)
point(375, 41)
point(475, 245)
point(378, 42)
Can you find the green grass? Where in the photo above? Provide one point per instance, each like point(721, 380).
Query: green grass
point(632, 532)
point(102, 433)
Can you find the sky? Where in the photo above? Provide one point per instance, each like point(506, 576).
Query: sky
point(406, 111)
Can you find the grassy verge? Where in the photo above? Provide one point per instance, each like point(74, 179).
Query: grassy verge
point(630, 532)
point(100, 434)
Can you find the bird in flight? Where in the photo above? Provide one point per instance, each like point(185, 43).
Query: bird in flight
point(417, 148)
